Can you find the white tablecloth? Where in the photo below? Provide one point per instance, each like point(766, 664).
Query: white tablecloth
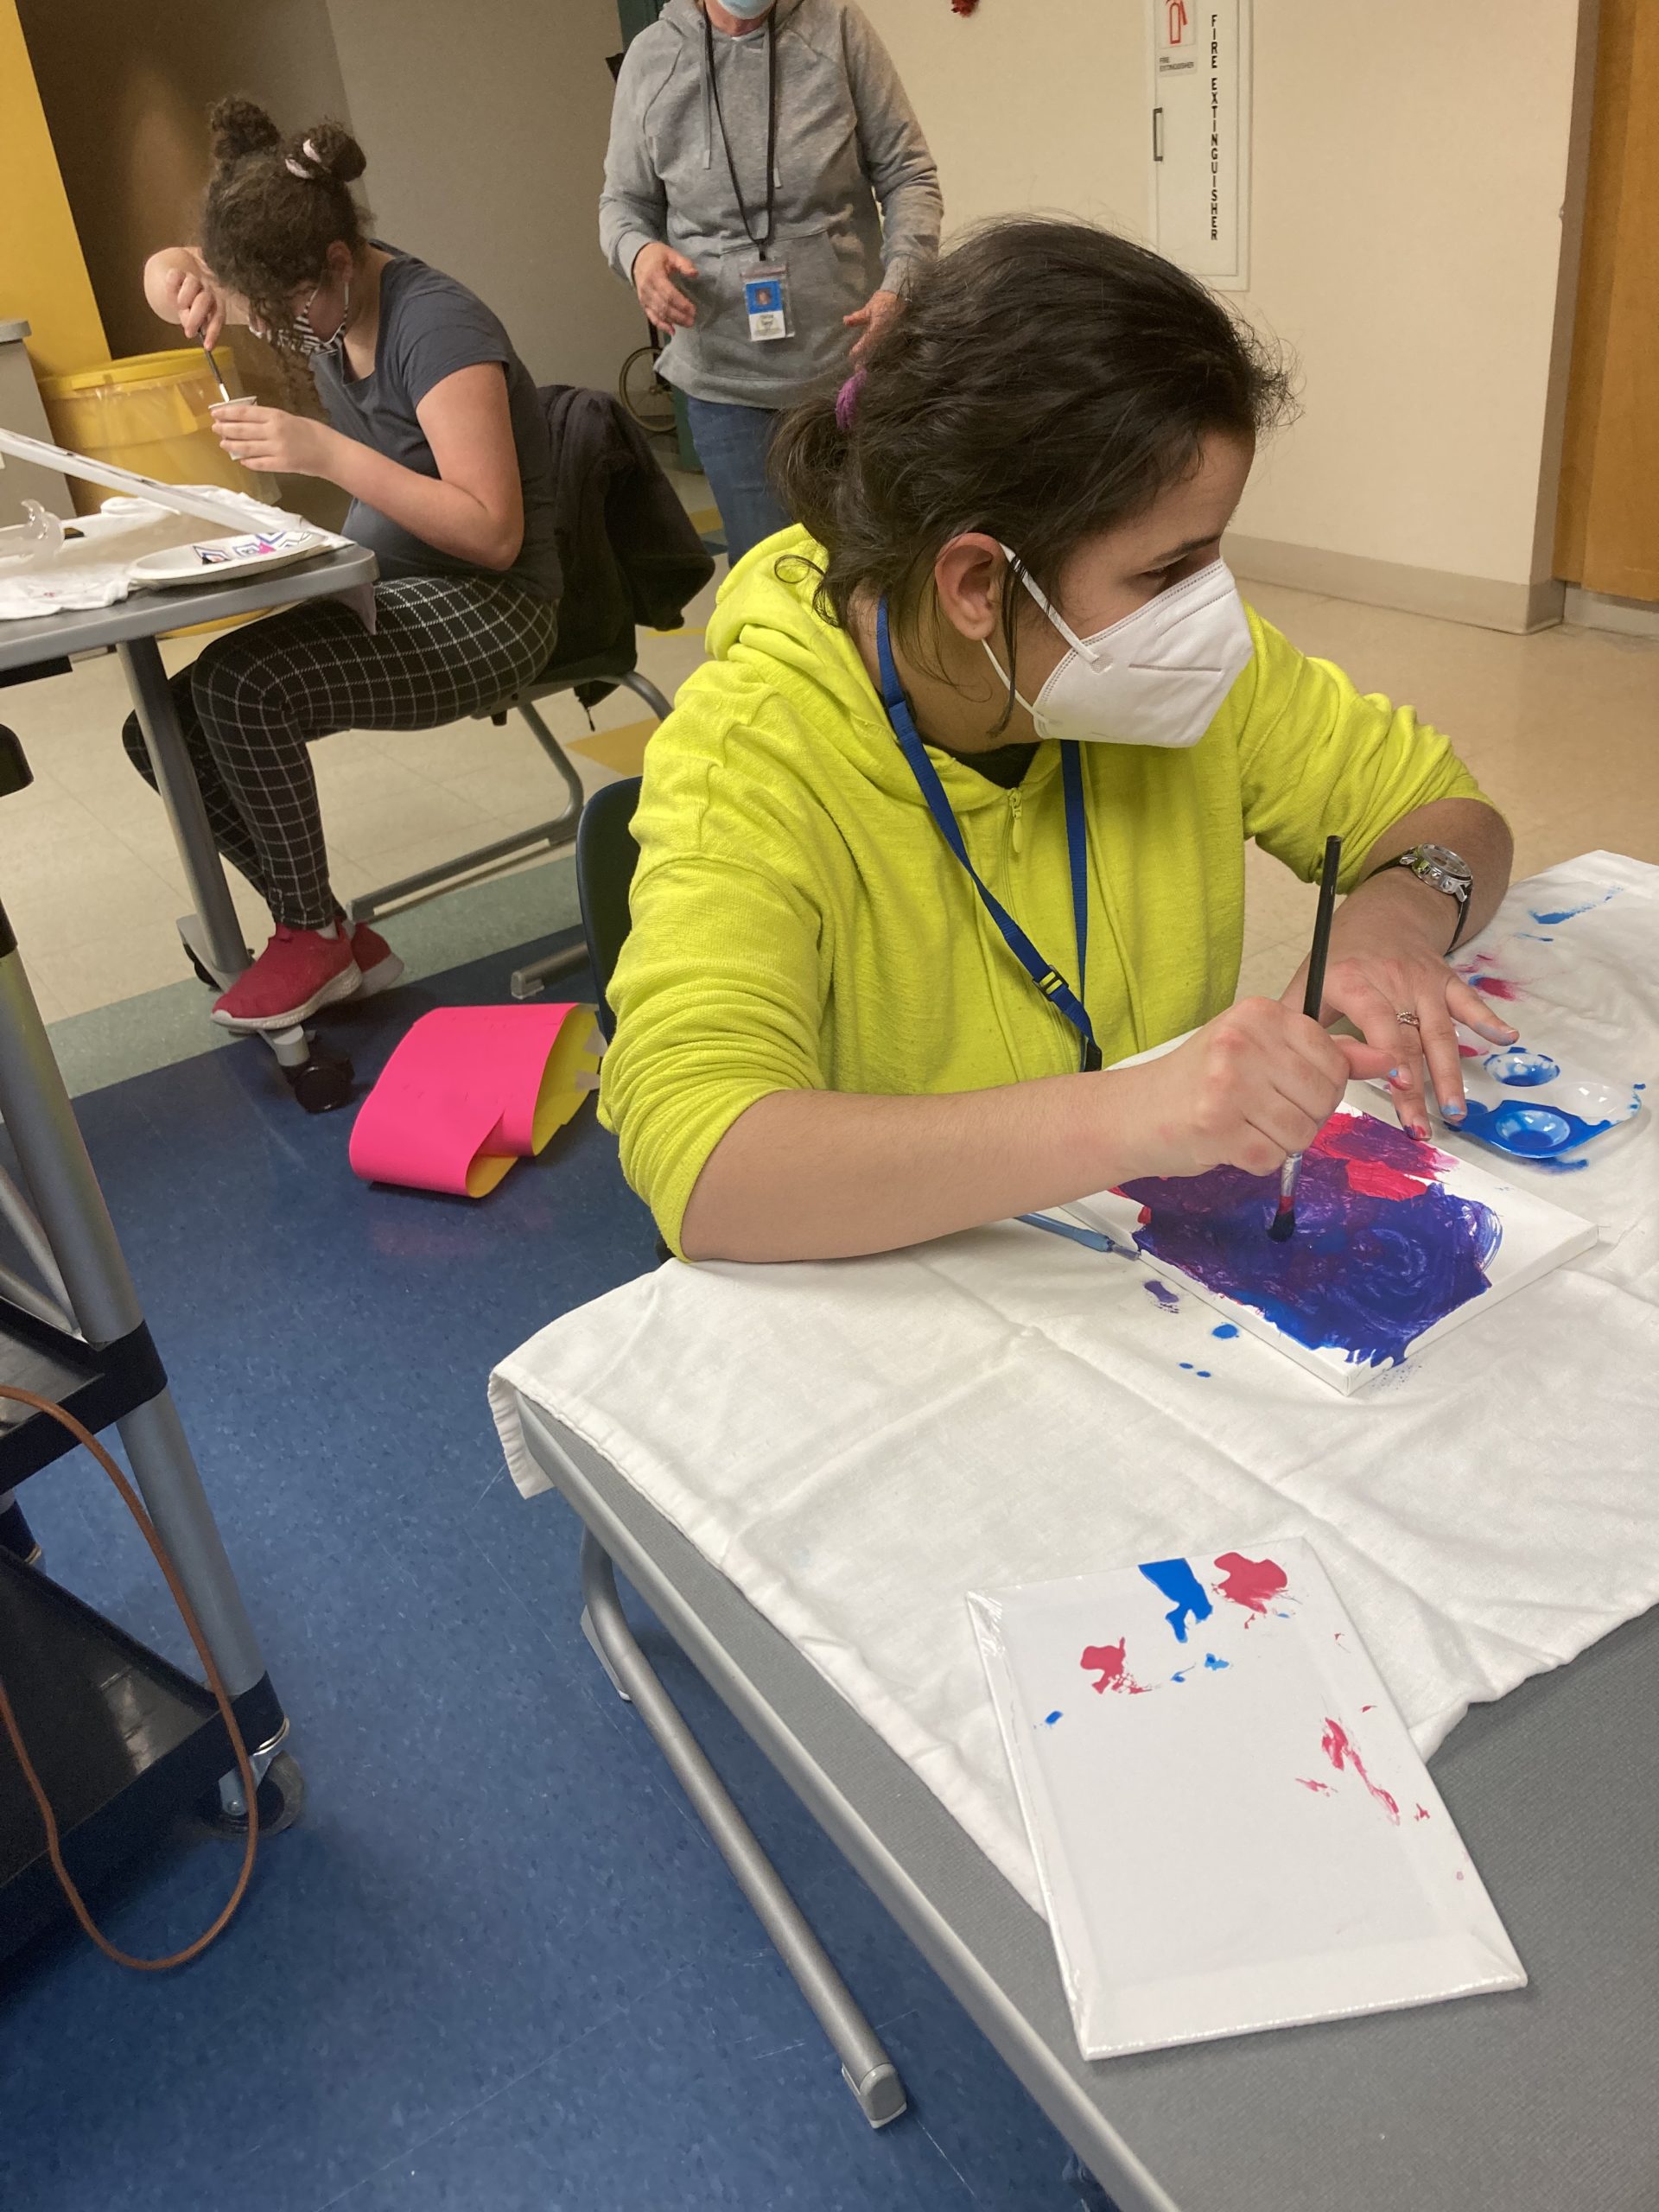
point(857, 1445)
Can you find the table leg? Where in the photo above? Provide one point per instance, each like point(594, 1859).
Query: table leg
point(222, 949)
point(41, 1122)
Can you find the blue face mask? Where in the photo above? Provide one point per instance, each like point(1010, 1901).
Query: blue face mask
point(748, 11)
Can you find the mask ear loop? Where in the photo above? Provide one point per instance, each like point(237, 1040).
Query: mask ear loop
point(1053, 615)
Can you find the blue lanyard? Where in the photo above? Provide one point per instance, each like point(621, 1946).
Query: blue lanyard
point(1048, 980)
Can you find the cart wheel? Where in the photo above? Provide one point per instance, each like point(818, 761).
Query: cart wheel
point(320, 1083)
point(281, 1800)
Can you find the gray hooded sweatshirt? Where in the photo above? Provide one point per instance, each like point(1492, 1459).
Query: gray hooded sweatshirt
point(848, 143)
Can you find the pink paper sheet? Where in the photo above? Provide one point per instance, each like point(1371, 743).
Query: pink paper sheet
point(470, 1090)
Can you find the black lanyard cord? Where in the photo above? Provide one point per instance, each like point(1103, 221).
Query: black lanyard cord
point(763, 245)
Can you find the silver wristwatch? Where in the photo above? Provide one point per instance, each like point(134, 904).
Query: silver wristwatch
point(1441, 870)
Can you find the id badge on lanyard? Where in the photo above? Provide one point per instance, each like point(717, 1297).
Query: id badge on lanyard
point(765, 300)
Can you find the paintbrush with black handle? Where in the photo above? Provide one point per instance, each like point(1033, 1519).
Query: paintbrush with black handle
point(1283, 1225)
point(224, 389)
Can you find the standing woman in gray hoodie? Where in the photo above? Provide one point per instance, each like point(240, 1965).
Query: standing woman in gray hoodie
point(767, 189)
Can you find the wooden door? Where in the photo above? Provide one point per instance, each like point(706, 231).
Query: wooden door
point(1607, 526)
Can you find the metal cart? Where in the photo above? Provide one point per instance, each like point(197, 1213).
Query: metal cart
point(124, 1741)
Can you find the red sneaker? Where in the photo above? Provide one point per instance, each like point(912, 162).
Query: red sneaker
point(298, 971)
point(377, 963)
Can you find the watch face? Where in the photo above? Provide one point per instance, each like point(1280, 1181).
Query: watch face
point(1446, 870)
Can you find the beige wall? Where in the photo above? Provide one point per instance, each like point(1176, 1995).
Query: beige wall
point(1411, 163)
point(485, 126)
point(43, 279)
point(131, 130)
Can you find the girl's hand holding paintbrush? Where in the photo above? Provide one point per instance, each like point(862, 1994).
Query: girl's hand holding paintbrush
point(1387, 969)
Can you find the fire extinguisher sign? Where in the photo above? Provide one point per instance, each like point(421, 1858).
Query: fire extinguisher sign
point(1200, 137)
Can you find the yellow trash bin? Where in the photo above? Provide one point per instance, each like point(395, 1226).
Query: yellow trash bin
point(149, 414)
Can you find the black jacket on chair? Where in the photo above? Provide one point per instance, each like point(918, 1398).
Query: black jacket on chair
point(630, 554)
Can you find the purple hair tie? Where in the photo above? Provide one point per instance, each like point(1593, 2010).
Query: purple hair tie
point(847, 400)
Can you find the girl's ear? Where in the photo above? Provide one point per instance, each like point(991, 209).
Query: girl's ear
point(340, 261)
point(968, 578)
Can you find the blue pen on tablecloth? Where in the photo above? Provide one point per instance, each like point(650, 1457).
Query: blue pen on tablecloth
point(1096, 1239)
point(1283, 1225)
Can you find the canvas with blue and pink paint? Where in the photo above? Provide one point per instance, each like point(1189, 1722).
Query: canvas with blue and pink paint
point(1231, 1825)
point(1397, 1243)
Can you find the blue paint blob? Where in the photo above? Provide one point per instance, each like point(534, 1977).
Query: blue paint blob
point(1530, 1132)
point(1051, 1720)
point(1534, 936)
point(1520, 1070)
point(1162, 1292)
point(1382, 1250)
point(1215, 1665)
point(1228, 1329)
point(1186, 1367)
point(1178, 1582)
point(1571, 913)
point(1204, 1375)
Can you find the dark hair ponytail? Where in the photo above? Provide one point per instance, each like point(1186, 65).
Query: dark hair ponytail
point(275, 205)
point(1043, 381)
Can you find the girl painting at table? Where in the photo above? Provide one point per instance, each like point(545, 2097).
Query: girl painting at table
point(998, 697)
point(435, 430)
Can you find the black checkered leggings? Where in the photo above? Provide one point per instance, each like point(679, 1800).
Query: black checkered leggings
point(444, 647)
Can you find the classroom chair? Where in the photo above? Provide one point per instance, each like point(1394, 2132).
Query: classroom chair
point(606, 858)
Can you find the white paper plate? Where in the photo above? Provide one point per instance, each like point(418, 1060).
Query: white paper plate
point(227, 560)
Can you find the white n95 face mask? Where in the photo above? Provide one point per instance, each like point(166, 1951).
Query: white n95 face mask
point(1157, 678)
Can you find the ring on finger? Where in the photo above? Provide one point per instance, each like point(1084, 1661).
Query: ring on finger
point(1409, 1018)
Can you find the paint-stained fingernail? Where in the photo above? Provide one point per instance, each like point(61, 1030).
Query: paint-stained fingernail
point(1452, 1112)
point(1421, 1131)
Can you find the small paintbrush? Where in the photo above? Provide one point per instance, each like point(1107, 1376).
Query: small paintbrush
point(1283, 1225)
point(224, 389)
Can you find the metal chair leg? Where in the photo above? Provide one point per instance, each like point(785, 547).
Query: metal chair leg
point(866, 2068)
point(643, 688)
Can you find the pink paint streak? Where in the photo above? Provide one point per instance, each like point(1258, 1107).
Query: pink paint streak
point(1319, 1789)
point(1374, 1162)
point(1249, 1582)
point(1497, 987)
point(1339, 1749)
point(1107, 1660)
point(1421, 1814)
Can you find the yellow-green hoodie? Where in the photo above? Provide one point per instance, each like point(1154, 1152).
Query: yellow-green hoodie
point(799, 923)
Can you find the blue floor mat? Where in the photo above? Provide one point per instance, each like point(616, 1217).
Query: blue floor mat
point(498, 1965)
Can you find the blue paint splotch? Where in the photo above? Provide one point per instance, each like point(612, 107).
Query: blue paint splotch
point(1189, 1599)
point(1228, 1330)
point(1520, 1070)
point(1160, 1294)
point(1382, 1251)
point(1216, 1666)
point(1050, 1719)
point(1571, 913)
point(1530, 1132)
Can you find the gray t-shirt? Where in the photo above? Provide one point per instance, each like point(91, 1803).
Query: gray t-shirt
point(430, 326)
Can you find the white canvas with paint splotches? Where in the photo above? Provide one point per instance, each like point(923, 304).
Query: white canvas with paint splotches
point(1232, 1828)
point(1395, 1247)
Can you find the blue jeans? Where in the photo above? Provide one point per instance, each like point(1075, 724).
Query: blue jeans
point(732, 443)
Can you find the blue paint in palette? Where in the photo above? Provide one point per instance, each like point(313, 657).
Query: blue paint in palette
point(1530, 1132)
point(1520, 1070)
point(1175, 1577)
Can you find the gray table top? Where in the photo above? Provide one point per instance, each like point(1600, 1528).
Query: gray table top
point(147, 613)
point(1537, 2100)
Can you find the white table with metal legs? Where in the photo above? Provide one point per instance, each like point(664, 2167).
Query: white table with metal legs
point(1536, 2102)
point(212, 933)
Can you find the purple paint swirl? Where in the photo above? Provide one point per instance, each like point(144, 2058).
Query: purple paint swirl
point(1382, 1251)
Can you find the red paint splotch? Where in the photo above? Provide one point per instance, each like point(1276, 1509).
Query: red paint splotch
point(1378, 1161)
point(1421, 1814)
point(1107, 1661)
point(1339, 1747)
point(1249, 1582)
point(1497, 987)
point(1319, 1789)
